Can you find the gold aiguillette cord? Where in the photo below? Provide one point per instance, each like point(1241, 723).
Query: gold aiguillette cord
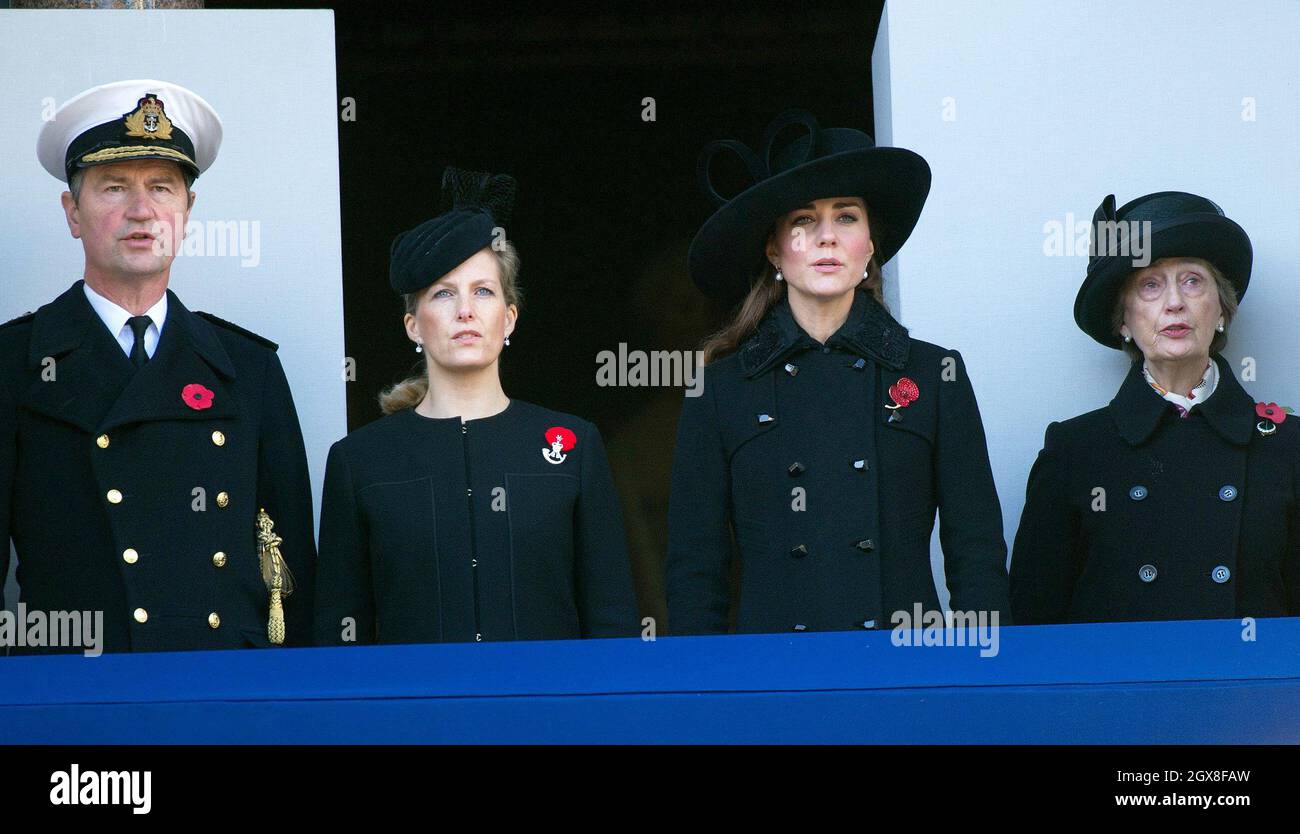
point(275, 573)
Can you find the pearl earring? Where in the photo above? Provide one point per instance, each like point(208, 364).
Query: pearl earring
point(419, 347)
point(1128, 338)
point(1220, 327)
point(507, 340)
point(778, 276)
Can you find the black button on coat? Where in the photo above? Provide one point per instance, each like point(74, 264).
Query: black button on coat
point(78, 421)
point(1131, 512)
point(438, 530)
point(843, 539)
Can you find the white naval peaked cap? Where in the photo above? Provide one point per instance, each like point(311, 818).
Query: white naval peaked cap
point(125, 120)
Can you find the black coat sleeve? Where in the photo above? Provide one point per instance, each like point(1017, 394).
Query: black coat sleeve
point(603, 568)
point(284, 490)
point(344, 584)
point(970, 517)
point(1044, 559)
point(697, 571)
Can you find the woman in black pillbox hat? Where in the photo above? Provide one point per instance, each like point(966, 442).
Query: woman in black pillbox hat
point(464, 515)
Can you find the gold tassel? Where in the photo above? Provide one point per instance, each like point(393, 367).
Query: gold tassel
point(276, 575)
point(275, 625)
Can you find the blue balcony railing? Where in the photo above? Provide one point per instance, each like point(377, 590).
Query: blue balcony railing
point(1105, 683)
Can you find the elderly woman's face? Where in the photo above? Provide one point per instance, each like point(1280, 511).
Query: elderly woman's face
point(1171, 310)
point(462, 320)
point(822, 248)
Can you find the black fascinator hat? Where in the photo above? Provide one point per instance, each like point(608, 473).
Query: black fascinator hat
point(474, 205)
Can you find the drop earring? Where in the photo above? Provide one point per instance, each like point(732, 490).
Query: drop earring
point(507, 340)
point(419, 347)
point(778, 275)
point(1220, 327)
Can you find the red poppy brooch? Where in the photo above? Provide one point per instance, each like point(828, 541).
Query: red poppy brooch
point(196, 396)
point(1272, 414)
point(561, 442)
point(903, 393)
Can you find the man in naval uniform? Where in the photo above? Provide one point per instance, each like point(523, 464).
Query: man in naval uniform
point(139, 440)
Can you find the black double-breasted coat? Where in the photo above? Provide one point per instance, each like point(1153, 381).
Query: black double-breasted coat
point(1135, 513)
point(790, 458)
point(443, 530)
point(122, 496)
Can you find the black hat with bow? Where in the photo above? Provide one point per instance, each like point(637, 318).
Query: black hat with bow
point(1167, 224)
point(474, 205)
point(800, 162)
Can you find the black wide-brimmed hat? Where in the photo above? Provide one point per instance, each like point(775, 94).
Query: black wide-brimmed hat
point(474, 205)
point(1182, 225)
point(788, 173)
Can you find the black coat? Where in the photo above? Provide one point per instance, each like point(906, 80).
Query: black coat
point(438, 530)
point(99, 425)
point(786, 417)
point(1199, 519)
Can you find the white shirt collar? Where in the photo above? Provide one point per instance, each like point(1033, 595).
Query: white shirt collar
point(115, 317)
point(1198, 395)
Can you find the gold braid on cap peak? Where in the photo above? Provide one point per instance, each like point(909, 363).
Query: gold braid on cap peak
point(132, 151)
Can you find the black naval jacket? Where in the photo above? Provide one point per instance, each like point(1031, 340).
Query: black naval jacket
point(438, 530)
point(787, 420)
point(98, 466)
point(1135, 513)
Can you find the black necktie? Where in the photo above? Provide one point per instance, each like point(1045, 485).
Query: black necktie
point(139, 324)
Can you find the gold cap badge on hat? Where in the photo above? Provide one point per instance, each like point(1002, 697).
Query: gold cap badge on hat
point(148, 121)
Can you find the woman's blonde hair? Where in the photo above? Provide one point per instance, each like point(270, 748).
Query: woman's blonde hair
point(766, 292)
point(1227, 304)
point(409, 392)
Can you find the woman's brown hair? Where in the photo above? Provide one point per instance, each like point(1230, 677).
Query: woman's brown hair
point(411, 391)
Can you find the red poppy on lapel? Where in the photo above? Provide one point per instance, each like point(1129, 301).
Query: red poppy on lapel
point(561, 442)
point(1271, 411)
point(566, 437)
point(196, 396)
point(904, 392)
